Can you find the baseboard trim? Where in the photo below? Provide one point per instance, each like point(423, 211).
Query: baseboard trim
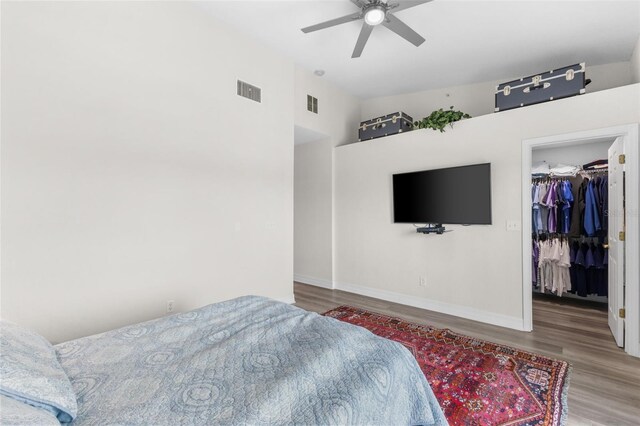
point(318, 282)
point(436, 306)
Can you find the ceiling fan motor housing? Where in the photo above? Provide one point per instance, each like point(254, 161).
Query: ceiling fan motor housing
point(375, 13)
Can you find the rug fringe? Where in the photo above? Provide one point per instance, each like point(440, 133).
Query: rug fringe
point(564, 396)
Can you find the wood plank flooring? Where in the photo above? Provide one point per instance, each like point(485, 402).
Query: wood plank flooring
point(604, 382)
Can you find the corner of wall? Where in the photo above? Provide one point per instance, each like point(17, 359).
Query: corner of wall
point(338, 118)
point(338, 111)
point(635, 63)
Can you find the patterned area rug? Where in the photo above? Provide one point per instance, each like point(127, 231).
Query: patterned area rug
point(477, 382)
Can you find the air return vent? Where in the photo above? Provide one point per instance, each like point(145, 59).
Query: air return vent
point(249, 91)
point(312, 104)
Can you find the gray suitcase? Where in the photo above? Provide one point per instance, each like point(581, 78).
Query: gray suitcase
point(544, 87)
point(389, 124)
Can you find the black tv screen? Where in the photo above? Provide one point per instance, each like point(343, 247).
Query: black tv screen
point(455, 195)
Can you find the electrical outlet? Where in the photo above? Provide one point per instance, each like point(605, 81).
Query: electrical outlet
point(170, 305)
point(422, 282)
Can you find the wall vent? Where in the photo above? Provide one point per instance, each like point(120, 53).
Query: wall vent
point(249, 91)
point(312, 104)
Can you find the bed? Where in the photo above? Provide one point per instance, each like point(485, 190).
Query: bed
point(250, 360)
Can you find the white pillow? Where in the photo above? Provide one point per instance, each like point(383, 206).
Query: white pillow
point(31, 372)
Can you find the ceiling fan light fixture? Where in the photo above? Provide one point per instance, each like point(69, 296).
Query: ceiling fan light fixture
point(374, 15)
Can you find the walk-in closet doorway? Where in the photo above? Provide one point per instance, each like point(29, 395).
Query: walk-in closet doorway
point(608, 238)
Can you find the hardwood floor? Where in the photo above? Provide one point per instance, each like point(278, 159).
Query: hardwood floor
point(604, 382)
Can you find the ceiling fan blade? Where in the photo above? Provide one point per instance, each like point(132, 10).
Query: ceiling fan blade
point(406, 4)
point(365, 32)
point(333, 22)
point(403, 30)
point(359, 3)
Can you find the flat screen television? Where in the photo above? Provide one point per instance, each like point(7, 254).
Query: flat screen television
point(455, 195)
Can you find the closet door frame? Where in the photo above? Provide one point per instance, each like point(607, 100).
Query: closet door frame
point(632, 218)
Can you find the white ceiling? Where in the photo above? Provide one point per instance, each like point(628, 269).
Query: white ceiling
point(467, 41)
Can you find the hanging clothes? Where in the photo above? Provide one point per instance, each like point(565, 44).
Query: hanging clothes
point(575, 228)
point(582, 203)
point(590, 265)
point(550, 202)
point(552, 205)
point(573, 270)
point(593, 202)
point(536, 223)
point(591, 214)
point(553, 266)
point(603, 206)
point(568, 206)
point(589, 269)
point(564, 203)
point(544, 209)
point(580, 285)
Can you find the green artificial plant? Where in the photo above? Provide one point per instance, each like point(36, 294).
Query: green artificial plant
point(439, 119)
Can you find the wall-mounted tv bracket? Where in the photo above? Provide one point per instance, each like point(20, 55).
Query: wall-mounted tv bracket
point(432, 228)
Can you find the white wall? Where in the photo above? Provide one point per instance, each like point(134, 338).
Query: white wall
point(338, 114)
point(635, 63)
point(337, 120)
point(132, 174)
point(575, 155)
point(313, 213)
point(478, 99)
point(474, 271)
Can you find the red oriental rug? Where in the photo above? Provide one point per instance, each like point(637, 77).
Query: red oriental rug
point(477, 382)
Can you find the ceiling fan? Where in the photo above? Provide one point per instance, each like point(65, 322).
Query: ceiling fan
point(375, 12)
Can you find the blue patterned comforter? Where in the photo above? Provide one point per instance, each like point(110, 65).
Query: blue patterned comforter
point(249, 360)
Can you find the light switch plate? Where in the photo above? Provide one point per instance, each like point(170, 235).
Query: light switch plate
point(513, 225)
